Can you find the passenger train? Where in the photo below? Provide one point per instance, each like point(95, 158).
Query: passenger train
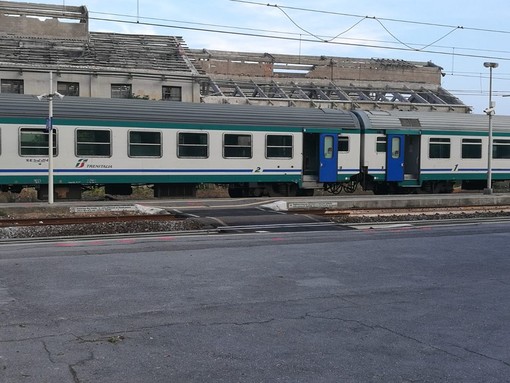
point(255, 150)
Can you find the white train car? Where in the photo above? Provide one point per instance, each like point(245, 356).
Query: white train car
point(118, 143)
point(430, 152)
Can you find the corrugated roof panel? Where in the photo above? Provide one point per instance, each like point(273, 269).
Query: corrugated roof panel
point(78, 108)
point(431, 121)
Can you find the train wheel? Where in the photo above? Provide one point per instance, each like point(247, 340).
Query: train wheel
point(350, 187)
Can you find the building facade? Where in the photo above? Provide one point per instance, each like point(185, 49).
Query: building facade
point(36, 39)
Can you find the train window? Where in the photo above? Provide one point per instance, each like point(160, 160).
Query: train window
point(471, 148)
point(144, 144)
point(395, 147)
point(343, 143)
point(237, 146)
point(193, 145)
point(328, 147)
point(93, 143)
point(439, 148)
point(278, 146)
point(501, 149)
point(380, 145)
point(34, 142)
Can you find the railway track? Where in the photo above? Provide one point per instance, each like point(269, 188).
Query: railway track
point(438, 211)
point(16, 222)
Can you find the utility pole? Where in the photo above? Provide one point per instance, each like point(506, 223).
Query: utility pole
point(49, 128)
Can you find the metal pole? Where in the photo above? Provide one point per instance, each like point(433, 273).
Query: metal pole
point(490, 112)
point(50, 141)
point(489, 156)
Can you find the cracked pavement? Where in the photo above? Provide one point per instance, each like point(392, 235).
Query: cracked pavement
point(420, 305)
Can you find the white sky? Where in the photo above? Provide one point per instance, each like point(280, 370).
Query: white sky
point(464, 34)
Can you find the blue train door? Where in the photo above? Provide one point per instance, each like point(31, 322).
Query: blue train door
point(328, 156)
point(395, 157)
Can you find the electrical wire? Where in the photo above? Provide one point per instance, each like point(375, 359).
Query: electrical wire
point(362, 19)
point(410, 47)
point(320, 39)
point(314, 35)
point(298, 39)
point(380, 18)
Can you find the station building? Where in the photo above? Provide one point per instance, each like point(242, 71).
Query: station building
point(38, 38)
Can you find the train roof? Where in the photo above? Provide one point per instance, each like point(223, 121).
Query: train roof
point(131, 110)
point(430, 121)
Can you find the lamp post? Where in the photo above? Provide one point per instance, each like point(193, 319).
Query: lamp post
point(490, 112)
point(49, 128)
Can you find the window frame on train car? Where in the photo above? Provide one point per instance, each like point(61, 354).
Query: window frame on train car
point(501, 149)
point(93, 144)
point(279, 150)
point(193, 145)
point(145, 146)
point(237, 146)
point(440, 148)
point(42, 147)
point(342, 141)
point(381, 144)
point(471, 148)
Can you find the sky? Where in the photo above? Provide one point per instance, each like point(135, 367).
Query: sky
point(458, 36)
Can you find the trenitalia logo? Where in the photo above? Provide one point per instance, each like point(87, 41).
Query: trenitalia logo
point(81, 163)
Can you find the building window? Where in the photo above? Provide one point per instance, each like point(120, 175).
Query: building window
point(68, 88)
point(471, 148)
point(501, 149)
point(144, 144)
point(237, 146)
point(193, 145)
point(172, 93)
point(93, 143)
point(343, 144)
point(278, 146)
point(380, 145)
point(34, 142)
point(12, 86)
point(439, 148)
point(122, 91)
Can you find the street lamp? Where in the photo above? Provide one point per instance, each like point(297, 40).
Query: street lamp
point(490, 112)
point(49, 128)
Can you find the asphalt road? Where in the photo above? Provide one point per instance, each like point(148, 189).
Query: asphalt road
point(406, 304)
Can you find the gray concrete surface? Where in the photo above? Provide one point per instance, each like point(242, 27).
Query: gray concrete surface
point(392, 305)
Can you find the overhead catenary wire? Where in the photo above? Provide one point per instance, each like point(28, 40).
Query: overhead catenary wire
point(359, 22)
point(297, 38)
point(488, 30)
